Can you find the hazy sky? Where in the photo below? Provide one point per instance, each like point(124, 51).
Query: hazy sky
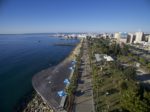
point(37, 16)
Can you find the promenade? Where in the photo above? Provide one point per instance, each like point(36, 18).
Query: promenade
point(84, 98)
point(49, 81)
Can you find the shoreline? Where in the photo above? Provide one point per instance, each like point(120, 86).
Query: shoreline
point(48, 92)
point(33, 102)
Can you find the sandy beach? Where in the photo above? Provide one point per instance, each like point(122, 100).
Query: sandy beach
point(49, 81)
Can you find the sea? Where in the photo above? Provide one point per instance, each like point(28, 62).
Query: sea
point(21, 57)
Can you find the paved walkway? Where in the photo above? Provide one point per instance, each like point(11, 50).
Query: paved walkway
point(84, 98)
point(49, 81)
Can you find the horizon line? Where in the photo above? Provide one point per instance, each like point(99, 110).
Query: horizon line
point(66, 32)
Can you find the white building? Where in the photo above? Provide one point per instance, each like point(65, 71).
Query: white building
point(121, 37)
point(92, 35)
point(139, 36)
point(82, 36)
point(117, 36)
point(148, 38)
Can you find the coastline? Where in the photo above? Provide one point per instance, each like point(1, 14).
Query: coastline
point(32, 102)
point(40, 82)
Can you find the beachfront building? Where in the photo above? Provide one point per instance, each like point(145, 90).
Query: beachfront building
point(139, 37)
point(146, 43)
point(82, 35)
point(117, 36)
point(105, 35)
point(131, 38)
point(148, 38)
point(92, 35)
point(121, 37)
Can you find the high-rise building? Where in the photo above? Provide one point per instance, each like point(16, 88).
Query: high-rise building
point(149, 38)
point(131, 38)
point(121, 37)
point(139, 36)
point(117, 36)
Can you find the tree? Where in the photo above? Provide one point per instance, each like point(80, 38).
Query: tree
point(147, 96)
point(124, 50)
point(148, 65)
point(131, 102)
point(130, 72)
point(142, 61)
point(124, 85)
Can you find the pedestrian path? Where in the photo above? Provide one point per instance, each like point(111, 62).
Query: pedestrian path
point(84, 97)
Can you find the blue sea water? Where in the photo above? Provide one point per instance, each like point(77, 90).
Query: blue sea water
point(21, 57)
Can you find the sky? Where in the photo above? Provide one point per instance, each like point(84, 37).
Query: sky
point(45, 16)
